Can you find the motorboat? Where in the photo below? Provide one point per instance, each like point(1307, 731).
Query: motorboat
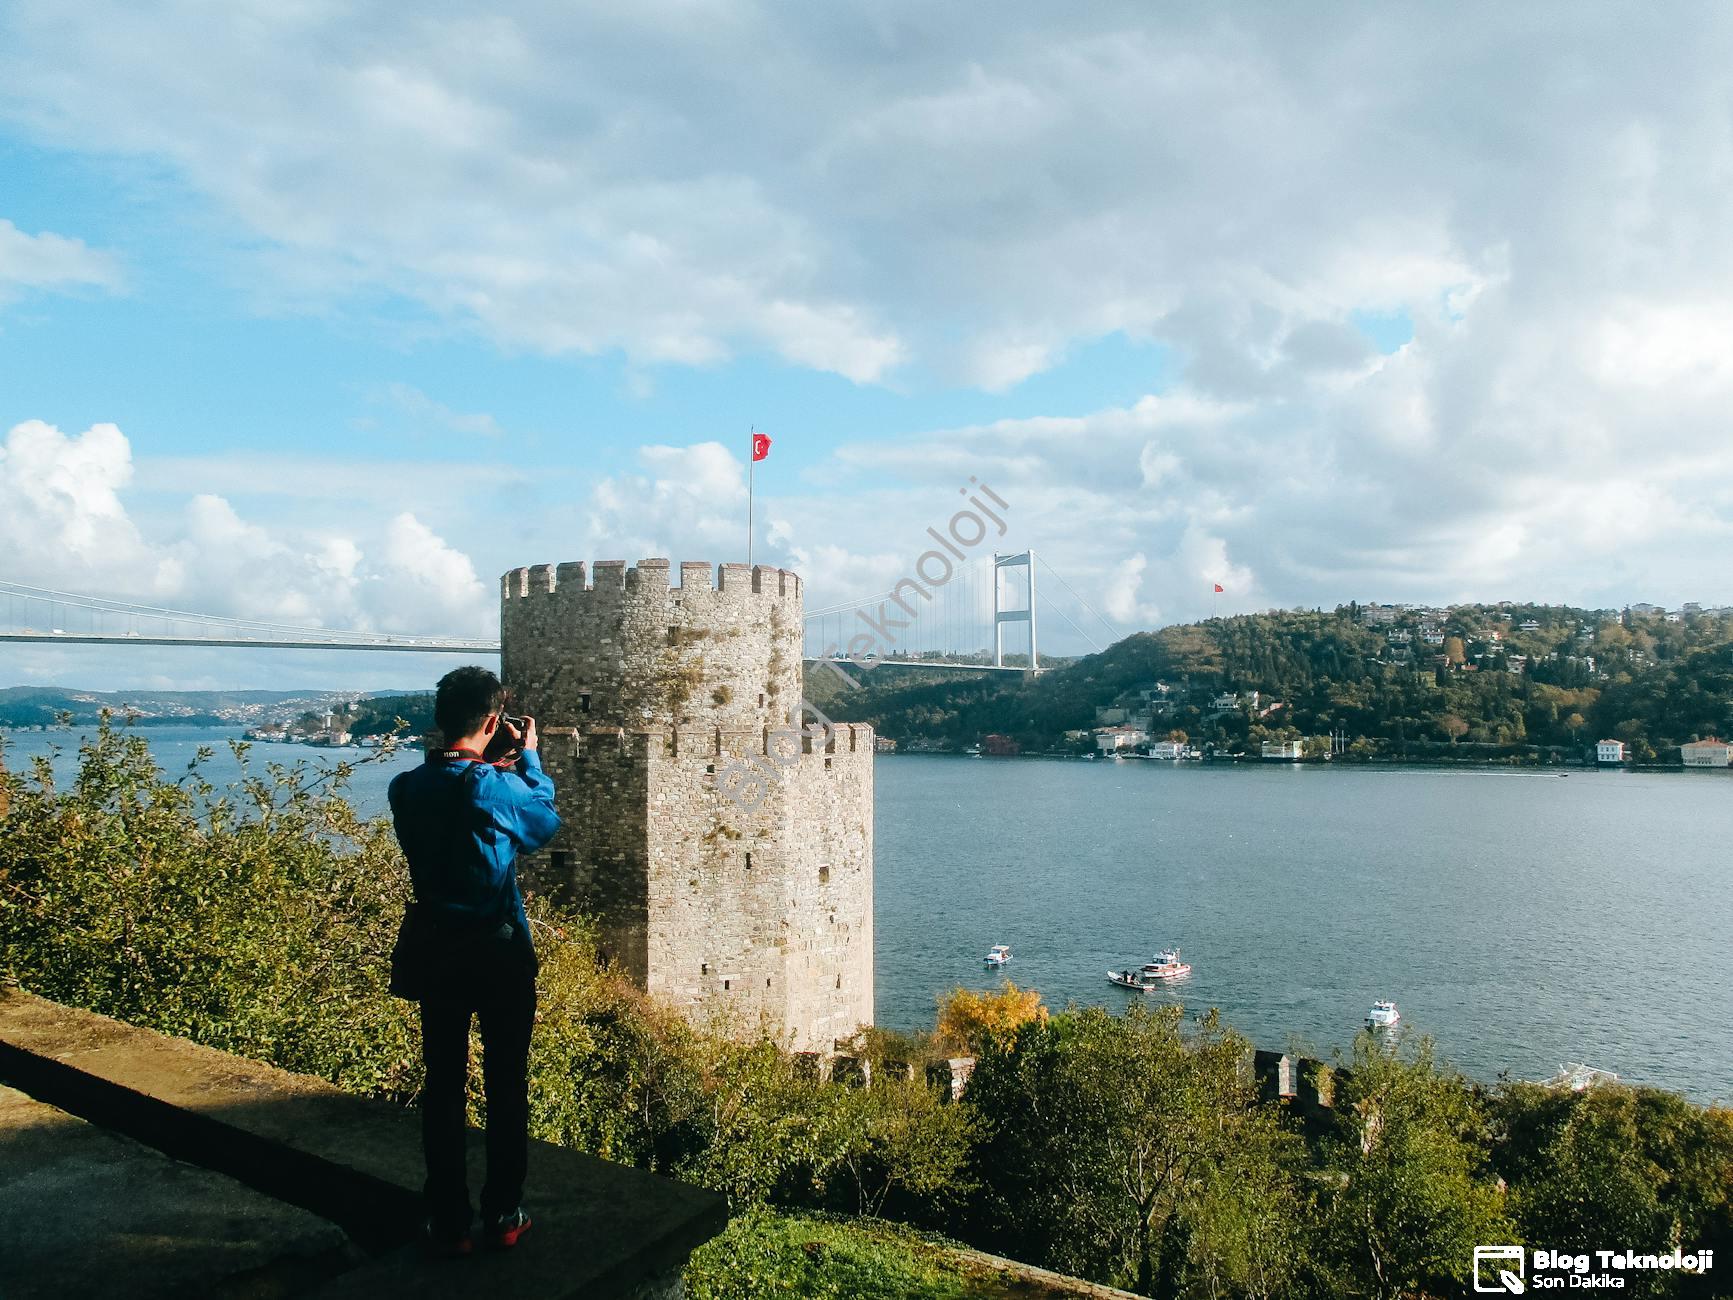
point(997, 955)
point(1168, 965)
point(1163, 969)
point(1383, 1015)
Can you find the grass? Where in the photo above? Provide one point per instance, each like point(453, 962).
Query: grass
point(768, 1254)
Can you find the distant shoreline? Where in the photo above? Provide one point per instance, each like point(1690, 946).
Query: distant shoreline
point(1250, 760)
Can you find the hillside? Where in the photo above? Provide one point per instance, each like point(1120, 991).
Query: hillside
point(43, 706)
point(1471, 680)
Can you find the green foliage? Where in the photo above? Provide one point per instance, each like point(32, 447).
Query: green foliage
point(385, 715)
point(1614, 1164)
point(766, 1254)
point(1416, 1191)
point(258, 919)
point(1654, 684)
point(1119, 1149)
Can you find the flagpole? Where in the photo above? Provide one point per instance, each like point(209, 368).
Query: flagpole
point(751, 462)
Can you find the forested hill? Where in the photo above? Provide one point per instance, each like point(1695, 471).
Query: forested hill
point(1468, 680)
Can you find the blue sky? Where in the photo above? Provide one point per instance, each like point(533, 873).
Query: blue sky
point(326, 316)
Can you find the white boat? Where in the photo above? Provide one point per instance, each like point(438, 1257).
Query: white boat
point(1579, 1077)
point(1383, 1015)
point(997, 955)
point(1163, 969)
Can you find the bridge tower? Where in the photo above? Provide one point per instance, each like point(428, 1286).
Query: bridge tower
point(1022, 614)
point(650, 697)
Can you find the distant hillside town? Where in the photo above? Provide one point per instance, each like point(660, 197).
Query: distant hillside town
point(1508, 681)
point(320, 716)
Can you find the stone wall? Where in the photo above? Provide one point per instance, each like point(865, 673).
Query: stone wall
point(645, 692)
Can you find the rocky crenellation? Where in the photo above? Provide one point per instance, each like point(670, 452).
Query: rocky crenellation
point(614, 575)
point(616, 646)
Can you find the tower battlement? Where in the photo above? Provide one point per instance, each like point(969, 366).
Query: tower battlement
point(611, 644)
point(646, 693)
point(647, 575)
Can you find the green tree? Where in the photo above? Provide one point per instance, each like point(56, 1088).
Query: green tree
point(1416, 1195)
point(1113, 1145)
point(1617, 1164)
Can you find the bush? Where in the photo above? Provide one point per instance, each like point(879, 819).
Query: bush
point(766, 1254)
point(1614, 1164)
point(257, 919)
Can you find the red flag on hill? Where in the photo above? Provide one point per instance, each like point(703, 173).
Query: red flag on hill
point(760, 446)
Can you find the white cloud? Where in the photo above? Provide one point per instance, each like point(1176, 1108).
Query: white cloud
point(850, 193)
point(1122, 603)
point(50, 261)
point(919, 194)
point(688, 503)
point(65, 525)
point(426, 581)
point(61, 516)
point(419, 406)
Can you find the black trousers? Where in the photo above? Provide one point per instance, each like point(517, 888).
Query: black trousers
point(495, 981)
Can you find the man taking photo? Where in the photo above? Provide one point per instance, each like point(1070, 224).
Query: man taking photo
point(462, 818)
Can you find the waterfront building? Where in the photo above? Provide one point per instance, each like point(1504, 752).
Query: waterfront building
point(1609, 751)
point(1283, 751)
point(1706, 753)
point(1166, 749)
point(1114, 740)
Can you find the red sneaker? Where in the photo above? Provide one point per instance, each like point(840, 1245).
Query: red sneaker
point(503, 1232)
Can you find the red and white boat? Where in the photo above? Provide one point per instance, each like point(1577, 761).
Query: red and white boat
point(1164, 968)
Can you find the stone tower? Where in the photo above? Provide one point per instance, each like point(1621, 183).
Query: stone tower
point(653, 700)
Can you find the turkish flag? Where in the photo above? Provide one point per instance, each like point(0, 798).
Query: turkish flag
point(1218, 586)
point(760, 446)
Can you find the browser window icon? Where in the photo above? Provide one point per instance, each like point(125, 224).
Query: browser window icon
point(1498, 1270)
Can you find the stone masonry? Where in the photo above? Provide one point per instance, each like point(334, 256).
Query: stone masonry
point(644, 692)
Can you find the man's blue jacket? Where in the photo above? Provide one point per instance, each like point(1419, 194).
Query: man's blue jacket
point(462, 823)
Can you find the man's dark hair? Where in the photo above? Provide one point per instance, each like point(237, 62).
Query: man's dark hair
point(465, 697)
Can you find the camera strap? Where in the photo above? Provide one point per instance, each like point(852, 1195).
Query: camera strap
point(470, 756)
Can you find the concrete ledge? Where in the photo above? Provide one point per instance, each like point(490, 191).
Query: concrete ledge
point(600, 1229)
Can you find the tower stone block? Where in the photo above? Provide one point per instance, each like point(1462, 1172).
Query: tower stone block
point(645, 692)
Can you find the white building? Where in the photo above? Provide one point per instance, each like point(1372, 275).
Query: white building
point(1609, 751)
point(1167, 749)
point(1706, 753)
point(1112, 740)
point(1285, 751)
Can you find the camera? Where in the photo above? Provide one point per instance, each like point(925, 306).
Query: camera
point(502, 749)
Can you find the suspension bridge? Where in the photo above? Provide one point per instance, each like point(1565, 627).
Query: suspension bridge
point(986, 616)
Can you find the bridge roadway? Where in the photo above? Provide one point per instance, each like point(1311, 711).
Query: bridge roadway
point(430, 646)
